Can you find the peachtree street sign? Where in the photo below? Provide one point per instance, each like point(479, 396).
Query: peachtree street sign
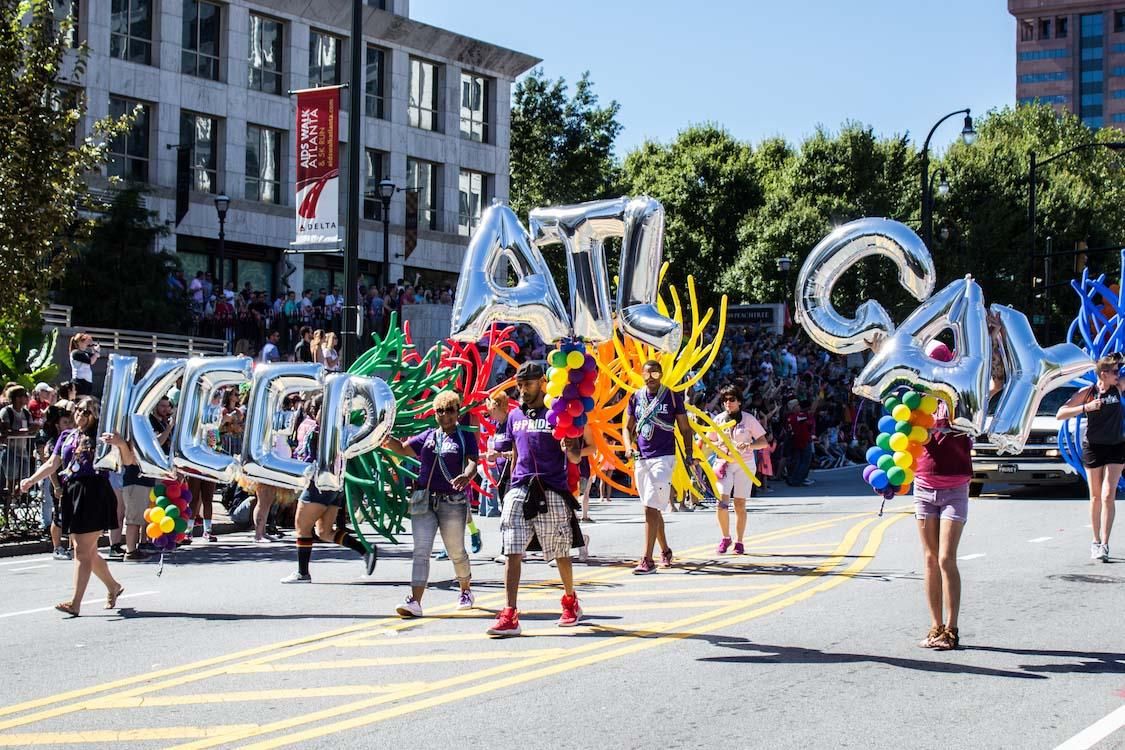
point(771, 316)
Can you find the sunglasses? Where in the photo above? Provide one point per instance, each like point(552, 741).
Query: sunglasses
point(730, 399)
point(83, 412)
point(445, 411)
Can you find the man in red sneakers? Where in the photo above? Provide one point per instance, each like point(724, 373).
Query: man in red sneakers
point(538, 504)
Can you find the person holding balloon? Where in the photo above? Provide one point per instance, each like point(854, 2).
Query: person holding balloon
point(88, 506)
point(748, 436)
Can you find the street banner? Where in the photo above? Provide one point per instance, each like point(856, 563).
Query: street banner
point(318, 168)
point(183, 182)
point(411, 224)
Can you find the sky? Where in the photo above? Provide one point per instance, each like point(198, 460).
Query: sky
point(761, 68)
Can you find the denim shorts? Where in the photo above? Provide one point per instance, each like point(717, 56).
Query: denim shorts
point(313, 494)
point(949, 505)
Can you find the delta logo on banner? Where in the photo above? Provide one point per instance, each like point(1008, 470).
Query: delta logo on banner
point(318, 167)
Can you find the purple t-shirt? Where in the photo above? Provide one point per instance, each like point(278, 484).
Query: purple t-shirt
point(455, 450)
point(538, 453)
point(501, 441)
point(76, 452)
point(656, 421)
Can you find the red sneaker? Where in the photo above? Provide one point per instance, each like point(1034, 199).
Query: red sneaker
point(571, 611)
point(507, 623)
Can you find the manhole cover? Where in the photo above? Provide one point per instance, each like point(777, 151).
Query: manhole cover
point(1084, 578)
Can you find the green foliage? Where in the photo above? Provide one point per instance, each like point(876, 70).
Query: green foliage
point(117, 280)
point(30, 358)
point(43, 170)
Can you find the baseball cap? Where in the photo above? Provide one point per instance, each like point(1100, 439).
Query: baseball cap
point(530, 371)
point(40, 387)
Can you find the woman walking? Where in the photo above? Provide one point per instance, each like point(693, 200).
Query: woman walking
point(735, 484)
point(1103, 447)
point(88, 506)
point(448, 458)
point(499, 452)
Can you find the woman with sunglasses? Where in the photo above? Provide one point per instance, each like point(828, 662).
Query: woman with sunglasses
point(83, 354)
point(1103, 447)
point(448, 458)
point(747, 435)
point(88, 506)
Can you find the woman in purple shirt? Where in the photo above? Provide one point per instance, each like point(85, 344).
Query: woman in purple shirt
point(499, 451)
point(88, 506)
point(448, 458)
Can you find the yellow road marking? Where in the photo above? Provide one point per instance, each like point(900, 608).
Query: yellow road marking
point(490, 685)
point(116, 735)
point(392, 661)
point(252, 695)
point(412, 640)
point(702, 587)
point(488, 676)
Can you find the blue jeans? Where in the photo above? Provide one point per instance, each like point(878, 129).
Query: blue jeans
point(803, 457)
point(490, 506)
point(448, 514)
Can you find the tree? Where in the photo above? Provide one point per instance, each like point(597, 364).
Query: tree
point(707, 182)
point(42, 168)
point(117, 280)
point(561, 149)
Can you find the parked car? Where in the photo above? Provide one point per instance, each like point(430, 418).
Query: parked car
point(1039, 464)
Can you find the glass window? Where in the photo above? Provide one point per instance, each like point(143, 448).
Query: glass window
point(1056, 99)
point(1027, 31)
point(471, 188)
point(422, 177)
point(258, 272)
point(376, 171)
point(201, 132)
point(1042, 77)
point(130, 28)
point(263, 164)
point(378, 4)
point(67, 11)
point(1118, 21)
point(1062, 25)
point(1092, 24)
point(1043, 54)
point(129, 153)
point(1094, 121)
point(1044, 28)
point(324, 59)
point(376, 68)
point(201, 39)
point(1119, 117)
point(422, 112)
point(474, 107)
point(266, 38)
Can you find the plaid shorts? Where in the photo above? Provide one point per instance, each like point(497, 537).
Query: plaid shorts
point(552, 527)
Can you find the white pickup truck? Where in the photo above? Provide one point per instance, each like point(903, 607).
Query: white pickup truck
point(1039, 464)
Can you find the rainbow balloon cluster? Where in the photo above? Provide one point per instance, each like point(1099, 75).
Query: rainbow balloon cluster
point(903, 431)
point(571, 383)
point(168, 513)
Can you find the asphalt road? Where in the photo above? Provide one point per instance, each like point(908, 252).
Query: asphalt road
point(807, 641)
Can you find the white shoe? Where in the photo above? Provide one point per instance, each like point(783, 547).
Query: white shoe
point(409, 607)
point(296, 577)
point(1104, 556)
point(466, 600)
point(584, 550)
point(1095, 550)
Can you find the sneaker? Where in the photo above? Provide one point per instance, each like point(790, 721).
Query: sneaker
point(185, 543)
point(1104, 556)
point(370, 557)
point(466, 600)
point(117, 550)
point(507, 623)
point(724, 545)
point(136, 556)
point(739, 549)
point(646, 565)
point(441, 555)
point(584, 550)
point(808, 483)
point(1095, 550)
point(571, 611)
point(475, 542)
point(263, 540)
point(666, 558)
point(211, 537)
point(297, 578)
point(61, 553)
point(409, 607)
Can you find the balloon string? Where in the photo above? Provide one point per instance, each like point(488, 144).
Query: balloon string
point(160, 568)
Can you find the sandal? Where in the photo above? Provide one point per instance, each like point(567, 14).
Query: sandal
point(111, 597)
point(68, 608)
point(949, 640)
point(937, 632)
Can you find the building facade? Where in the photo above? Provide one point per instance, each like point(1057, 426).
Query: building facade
point(1071, 54)
point(217, 76)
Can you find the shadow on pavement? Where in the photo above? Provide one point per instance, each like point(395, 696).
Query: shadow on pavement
point(1092, 662)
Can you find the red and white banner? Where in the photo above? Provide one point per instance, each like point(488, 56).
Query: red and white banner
point(318, 167)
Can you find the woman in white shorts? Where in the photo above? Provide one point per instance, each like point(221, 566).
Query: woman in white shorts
point(735, 484)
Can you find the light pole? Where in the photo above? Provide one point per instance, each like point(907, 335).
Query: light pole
point(349, 328)
point(969, 136)
point(387, 190)
point(222, 203)
point(784, 263)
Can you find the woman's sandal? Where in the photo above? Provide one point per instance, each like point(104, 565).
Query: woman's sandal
point(111, 597)
point(68, 608)
point(937, 632)
point(949, 640)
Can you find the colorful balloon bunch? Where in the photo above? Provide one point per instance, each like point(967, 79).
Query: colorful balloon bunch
point(168, 514)
point(572, 380)
point(903, 431)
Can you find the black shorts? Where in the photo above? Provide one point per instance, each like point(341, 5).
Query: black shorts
point(1097, 455)
point(314, 495)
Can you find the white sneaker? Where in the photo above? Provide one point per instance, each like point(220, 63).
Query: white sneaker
point(584, 550)
point(296, 577)
point(409, 607)
point(1104, 556)
point(1095, 550)
point(467, 600)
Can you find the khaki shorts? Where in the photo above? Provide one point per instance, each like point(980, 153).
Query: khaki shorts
point(136, 503)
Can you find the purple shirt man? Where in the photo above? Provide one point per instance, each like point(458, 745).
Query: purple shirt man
point(453, 451)
point(538, 452)
point(656, 421)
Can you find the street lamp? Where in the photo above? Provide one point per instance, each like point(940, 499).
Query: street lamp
point(386, 190)
point(784, 263)
point(222, 203)
point(943, 185)
point(968, 137)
